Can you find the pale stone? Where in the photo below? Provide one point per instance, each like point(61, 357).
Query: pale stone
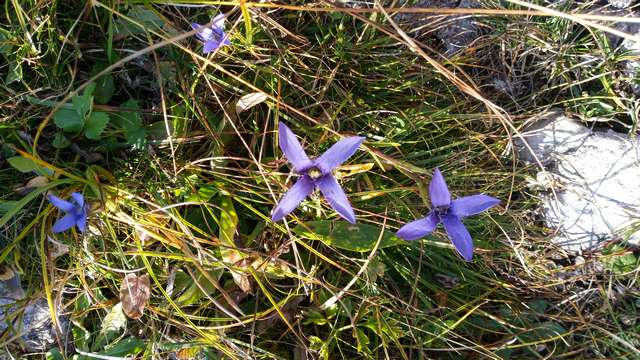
point(595, 175)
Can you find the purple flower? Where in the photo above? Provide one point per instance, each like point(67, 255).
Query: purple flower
point(450, 214)
point(213, 36)
point(76, 212)
point(315, 173)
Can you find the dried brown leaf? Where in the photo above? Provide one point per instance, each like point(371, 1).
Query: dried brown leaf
point(134, 294)
point(250, 100)
point(36, 182)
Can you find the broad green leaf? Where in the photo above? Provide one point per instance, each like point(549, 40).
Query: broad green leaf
point(54, 354)
point(343, 235)
point(96, 123)
point(131, 124)
point(228, 227)
point(23, 164)
point(205, 193)
point(544, 330)
point(14, 73)
point(114, 321)
point(68, 120)
point(128, 346)
point(105, 86)
point(82, 104)
point(193, 293)
point(111, 327)
point(60, 141)
point(146, 18)
point(6, 40)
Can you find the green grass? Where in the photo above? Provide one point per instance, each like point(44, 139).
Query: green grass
point(191, 209)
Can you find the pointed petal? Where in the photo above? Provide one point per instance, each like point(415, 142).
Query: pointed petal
point(471, 205)
point(78, 198)
point(65, 223)
point(225, 39)
point(419, 228)
point(60, 204)
point(205, 34)
point(81, 223)
point(293, 197)
point(458, 235)
point(218, 21)
point(292, 149)
point(210, 45)
point(336, 197)
point(338, 153)
point(438, 190)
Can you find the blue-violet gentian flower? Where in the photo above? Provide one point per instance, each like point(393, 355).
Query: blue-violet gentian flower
point(76, 213)
point(450, 214)
point(213, 36)
point(315, 173)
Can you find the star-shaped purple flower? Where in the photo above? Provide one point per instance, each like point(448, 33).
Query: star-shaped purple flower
point(213, 36)
point(315, 173)
point(76, 213)
point(450, 214)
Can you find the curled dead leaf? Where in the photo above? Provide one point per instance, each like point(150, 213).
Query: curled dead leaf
point(134, 294)
point(345, 171)
point(250, 100)
point(36, 182)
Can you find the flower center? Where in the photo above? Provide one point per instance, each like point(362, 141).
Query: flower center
point(442, 210)
point(314, 173)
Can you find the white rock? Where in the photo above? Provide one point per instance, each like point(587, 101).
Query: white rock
point(36, 330)
point(620, 4)
point(596, 176)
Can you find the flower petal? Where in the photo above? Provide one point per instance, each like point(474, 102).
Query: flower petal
point(65, 223)
point(438, 191)
point(81, 223)
point(338, 153)
point(78, 198)
point(458, 235)
point(419, 228)
point(471, 205)
point(292, 149)
point(204, 34)
point(336, 197)
point(293, 197)
point(60, 204)
point(218, 21)
point(210, 45)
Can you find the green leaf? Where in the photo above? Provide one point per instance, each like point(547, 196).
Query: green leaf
point(128, 346)
point(112, 325)
point(147, 18)
point(131, 124)
point(60, 141)
point(6, 40)
point(23, 164)
point(68, 120)
point(358, 237)
point(14, 73)
point(96, 124)
point(228, 223)
point(105, 86)
point(54, 354)
point(82, 104)
point(6, 205)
